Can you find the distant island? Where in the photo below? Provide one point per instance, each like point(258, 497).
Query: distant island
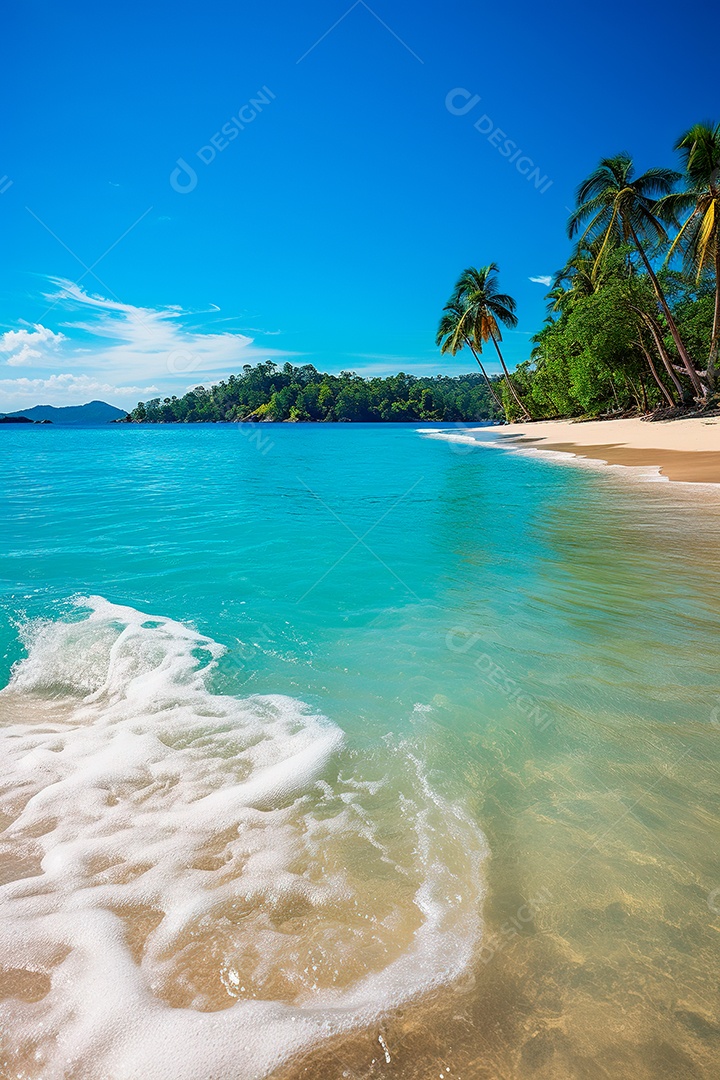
point(94, 412)
point(296, 394)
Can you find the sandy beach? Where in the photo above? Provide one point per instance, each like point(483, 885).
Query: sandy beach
point(685, 450)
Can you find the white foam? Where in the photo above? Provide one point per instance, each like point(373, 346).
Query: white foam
point(462, 437)
point(641, 473)
point(201, 885)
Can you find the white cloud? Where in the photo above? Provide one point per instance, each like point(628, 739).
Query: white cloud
point(66, 388)
point(151, 341)
point(392, 357)
point(542, 279)
point(22, 345)
point(109, 348)
point(462, 364)
point(26, 355)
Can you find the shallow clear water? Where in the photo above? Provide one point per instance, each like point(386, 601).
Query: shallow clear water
point(432, 652)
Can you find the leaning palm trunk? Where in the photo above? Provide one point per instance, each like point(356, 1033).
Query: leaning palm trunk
point(662, 351)
point(715, 340)
point(490, 387)
point(633, 392)
point(700, 390)
point(513, 391)
point(666, 393)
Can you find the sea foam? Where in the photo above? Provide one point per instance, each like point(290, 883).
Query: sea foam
point(196, 885)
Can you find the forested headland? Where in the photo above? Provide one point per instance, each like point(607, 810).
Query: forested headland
point(267, 392)
point(633, 322)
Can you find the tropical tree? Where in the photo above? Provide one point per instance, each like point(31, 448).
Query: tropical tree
point(266, 393)
point(586, 271)
point(618, 206)
point(453, 333)
point(477, 291)
point(698, 239)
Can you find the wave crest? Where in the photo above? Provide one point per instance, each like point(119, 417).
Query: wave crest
point(197, 883)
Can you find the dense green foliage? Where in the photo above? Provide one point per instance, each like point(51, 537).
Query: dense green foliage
point(266, 392)
point(611, 352)
point(633, 321)
point(634, 315)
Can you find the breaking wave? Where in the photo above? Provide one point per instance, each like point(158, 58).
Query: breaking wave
point(194, 885)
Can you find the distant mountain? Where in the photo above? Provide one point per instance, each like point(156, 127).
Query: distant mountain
point(95, 412)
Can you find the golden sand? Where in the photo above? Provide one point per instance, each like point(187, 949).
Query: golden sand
point(686, 450)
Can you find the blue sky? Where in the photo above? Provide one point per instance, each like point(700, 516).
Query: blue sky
point(329, 222)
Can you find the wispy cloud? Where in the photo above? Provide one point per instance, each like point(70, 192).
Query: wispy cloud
point(394, 357)
point(542, 279)
point(446, 366)
point(123, 351)
point(31, 391)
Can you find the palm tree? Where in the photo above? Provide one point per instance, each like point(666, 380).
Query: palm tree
point(559, 298)
point(452, 335)
point(579, 278)
point(651, 363)
point(698, 241)
point(618, 205)
point(653, 326)
point(486, 308)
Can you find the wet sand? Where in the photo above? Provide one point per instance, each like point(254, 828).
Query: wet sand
point(683, 450)
point(614, 977)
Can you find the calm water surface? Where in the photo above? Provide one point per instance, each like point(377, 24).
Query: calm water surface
point(372, 754)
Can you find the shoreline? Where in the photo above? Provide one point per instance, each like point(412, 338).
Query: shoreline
point(684, 450)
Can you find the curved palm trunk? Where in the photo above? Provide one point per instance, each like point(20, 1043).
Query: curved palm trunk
point(513, 391)
point(630, 385)
point(700, 390)
point(646, 353)
point(715, 340)
point(662, 352)
point(490, 386)
point(646, 403)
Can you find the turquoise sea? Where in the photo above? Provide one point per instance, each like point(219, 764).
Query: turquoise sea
point(354, 751)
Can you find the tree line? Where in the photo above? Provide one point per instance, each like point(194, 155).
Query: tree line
point(633, 318)
point(267, 392)
point(633, 321)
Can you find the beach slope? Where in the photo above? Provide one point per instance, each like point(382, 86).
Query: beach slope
point(686, 449)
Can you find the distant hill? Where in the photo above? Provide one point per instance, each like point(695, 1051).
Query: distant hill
point(95, 412)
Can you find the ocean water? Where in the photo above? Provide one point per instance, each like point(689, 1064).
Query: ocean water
point(352, 751)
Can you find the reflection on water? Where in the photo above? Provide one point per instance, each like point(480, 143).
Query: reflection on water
point(602, 942)
point(544, 636)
